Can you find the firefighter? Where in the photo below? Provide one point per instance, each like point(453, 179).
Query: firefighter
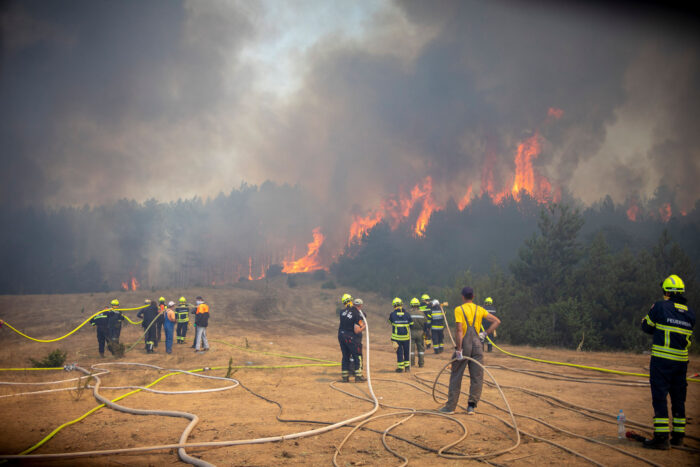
point(148, 315)
point(159, 321)
point(401, 335)
point(488, 306)
point(425, 309)
point(100, 321)
point(351, 323)
point(671, 323)
point(114, 324)
point(468, 319)
point(437, 325)
point(182, 313)
point(418, 329)
point(201, 320)
point(358, 336)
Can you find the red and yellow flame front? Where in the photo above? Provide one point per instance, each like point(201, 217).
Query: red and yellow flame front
point(310, 262)
point(132, 284)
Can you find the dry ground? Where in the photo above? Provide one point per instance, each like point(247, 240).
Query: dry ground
point(301, 321)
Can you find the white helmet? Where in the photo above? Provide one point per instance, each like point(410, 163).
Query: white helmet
point(435, 303)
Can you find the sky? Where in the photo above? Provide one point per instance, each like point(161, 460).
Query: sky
point(352, 101)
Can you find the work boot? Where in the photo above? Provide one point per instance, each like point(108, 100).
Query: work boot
point(659, 441)
point(407, 369)
point(102, 355)
point(470, 409)
point(399, 370)
point(677, 439)
point(359, 379)
point(446, 410)
point(346, 379)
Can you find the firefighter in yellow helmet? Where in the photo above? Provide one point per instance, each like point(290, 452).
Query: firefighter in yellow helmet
point(351, 323)
point(670, 322)
point(114, 323)
point(160, 320)
point(401, 335)
point(182, 314)
point(426, 309)
point(488, 306)
point(418, 329)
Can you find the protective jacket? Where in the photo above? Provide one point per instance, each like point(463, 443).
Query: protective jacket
point(147, 315)
point(114, 319)
point(182, 312)
point(671, 323)
point(419, 323)
point(349, 317)
point(201, 317)
point(400, 323)
point(101, 320)
point(436, 317)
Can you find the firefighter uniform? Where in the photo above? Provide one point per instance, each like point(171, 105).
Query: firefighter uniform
point(488, 306)
point(417, 333)
point(114, 325)
point(425, 309)
point(182, 314)
point(148, 315)
point(401, 335)
point(349, 347)
point(160, 320)
point(100, 321)
point(671, 323)
point(437, 325)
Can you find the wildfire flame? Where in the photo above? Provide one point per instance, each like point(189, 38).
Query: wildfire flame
point(135, 285)
point(633, 211)
point(466, 199)
point(555, 113)
point(310, 262)
point(524, 173)
point(665, 212)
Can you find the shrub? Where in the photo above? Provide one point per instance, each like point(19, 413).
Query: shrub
point(328, 285)
point(53, 360)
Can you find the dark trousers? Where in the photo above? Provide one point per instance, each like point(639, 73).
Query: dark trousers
point(438, 339)
point(668, 377)
point(150, 338)
point(349, 349)
point(417, 348)
point(159, 327)
point(102, 337)
point(182, 332)
point(471, 347)
point(403, 354)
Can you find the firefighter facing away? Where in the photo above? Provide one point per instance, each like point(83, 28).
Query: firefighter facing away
point(148, 316)
point(670, 322)
point(488, 306)
point(425, 309)
point(418, 330)
point(437, 325)
point(159, 321)
point(468, 319)
point(351, 323)
point(201, 319)
point(114, 322)
point(100, 321)
point(401, 335)
point(182, 313)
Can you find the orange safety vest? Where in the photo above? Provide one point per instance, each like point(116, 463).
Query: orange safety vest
point(203, 308)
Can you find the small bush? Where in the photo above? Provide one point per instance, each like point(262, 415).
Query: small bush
point(319, 275)
point(53, 360)
point(328, 285)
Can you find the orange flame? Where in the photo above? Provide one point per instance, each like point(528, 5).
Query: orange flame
point(125, 286)
point(135, 285)
point(309, 262)
point(466, 199)
point(362, 225)
point(250, 268)
point(665, 212)
point(524, 173)
point(555, 113)
point(426, 194)
point(633, 211)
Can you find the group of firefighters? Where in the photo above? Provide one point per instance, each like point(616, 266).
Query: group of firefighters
point(156, 319)
point(670, 321)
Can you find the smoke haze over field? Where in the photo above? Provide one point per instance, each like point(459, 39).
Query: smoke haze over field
point(353, 102)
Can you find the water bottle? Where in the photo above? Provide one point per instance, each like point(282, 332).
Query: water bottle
point(621, 425)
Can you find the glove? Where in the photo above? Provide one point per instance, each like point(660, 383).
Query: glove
point(458, 355)
point(482, 336)
point(395, 345)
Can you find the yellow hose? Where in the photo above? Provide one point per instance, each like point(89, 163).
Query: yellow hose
point(74, 330)
point(574, 365)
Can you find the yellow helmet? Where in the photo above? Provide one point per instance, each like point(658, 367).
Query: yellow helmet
point(182, 300)
point(673, 284)
point(488, 301)
point(425, 297)
point(415, 302)
point(346, 298)
point(115, 302)
point(161, 300)
point(396, 302)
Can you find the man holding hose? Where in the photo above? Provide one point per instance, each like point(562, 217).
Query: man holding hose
point(468, 319)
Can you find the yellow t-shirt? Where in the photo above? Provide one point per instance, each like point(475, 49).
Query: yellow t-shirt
point(469, 310)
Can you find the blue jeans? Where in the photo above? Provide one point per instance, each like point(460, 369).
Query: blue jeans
point(169, 328)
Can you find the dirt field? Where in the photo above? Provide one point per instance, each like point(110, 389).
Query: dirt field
point(302, 321)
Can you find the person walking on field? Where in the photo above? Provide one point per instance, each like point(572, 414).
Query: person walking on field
point(488, 306)
point(114, 322)
point(101, 321)
point(670, 322)
point(169, 326)
point(201, 320)
point(401, 335)
point(358, 336)
point(148, 315)
point(159, 321)
point(418, 329)
point(468, 319)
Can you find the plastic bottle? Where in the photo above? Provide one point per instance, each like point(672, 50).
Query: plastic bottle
point(621, 425)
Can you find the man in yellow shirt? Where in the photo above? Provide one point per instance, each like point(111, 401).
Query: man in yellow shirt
point(468, 319)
